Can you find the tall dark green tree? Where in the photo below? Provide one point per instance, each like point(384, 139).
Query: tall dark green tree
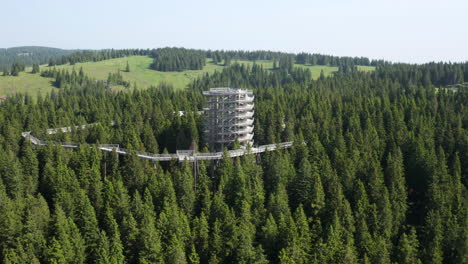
point(127, 67)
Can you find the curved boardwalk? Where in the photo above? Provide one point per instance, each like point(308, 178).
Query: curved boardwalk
point(181, 155)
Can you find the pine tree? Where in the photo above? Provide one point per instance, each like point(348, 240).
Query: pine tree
point(203, 192)
point(5, 71)
point(30, 166)
point(396, 183)
point(135, 176)
point(102, 244)
point(227, 61)
point(127, 68)
point(245, 251)
point(55, 253)
point(322, 75)
point(216, 244)
point(407, 250)
point(150, 142)
point(301, 245)
point(193, 257)
point(130, 236)
point(67, 235)
point(35, 227)
point(308, 188)
point(175, 252)
point(35, 68)
point(433, 238)
point(338, 249)
point(115, 251)
point(10, 171)
point(380, 253)
point(270, 238)
point(183, 181)
point(149, 242)
point(362, 209)
point(87, 222)
point(202, 237)
point(278, 203)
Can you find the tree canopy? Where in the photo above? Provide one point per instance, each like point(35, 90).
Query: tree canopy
point(377, 173)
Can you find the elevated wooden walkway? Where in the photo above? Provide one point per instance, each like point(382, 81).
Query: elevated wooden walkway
point(181, 155)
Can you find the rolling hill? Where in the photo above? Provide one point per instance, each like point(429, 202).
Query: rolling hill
point(140, 74)
point(29, 55)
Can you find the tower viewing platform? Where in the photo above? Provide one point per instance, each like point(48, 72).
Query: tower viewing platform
point(228, 116)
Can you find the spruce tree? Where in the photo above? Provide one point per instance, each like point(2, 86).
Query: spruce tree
point(149, 244)
point(396, 183)
point(5, 71)
point(407, 250)
point(35, 68)
point(127, 67)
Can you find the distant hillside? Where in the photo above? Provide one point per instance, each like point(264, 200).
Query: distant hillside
point(175, 66)
point(140, 74)
point(29, 55)
point(144, 76)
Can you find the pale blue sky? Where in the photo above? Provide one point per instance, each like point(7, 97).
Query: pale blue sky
point(397, 30)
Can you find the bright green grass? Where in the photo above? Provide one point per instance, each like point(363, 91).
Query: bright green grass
point(366, 68)
point(315, 70)
point(26, 82)
point(140, 74)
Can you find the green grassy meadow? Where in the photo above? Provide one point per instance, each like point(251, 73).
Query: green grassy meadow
point(140, 74)
point(315, 70)
point(26, 82)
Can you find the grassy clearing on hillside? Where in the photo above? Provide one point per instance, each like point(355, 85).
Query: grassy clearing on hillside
point(315, 70)
point(26, 82)
point(366, 68)
point(140, 73)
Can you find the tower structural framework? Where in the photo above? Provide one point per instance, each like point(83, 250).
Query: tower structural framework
point(228, 116)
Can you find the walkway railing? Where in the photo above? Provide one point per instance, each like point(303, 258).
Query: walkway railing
point(181, 155)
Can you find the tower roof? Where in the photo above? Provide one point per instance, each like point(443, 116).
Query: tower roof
point(226, 91)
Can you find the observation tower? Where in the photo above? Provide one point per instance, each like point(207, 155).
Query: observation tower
point(228, 116)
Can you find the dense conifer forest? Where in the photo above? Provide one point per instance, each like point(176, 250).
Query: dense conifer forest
point(30, 55)
point(180, 59)
point(170, 59)
point(377, 174)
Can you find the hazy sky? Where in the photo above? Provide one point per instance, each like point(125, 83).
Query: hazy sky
point(397, 30)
